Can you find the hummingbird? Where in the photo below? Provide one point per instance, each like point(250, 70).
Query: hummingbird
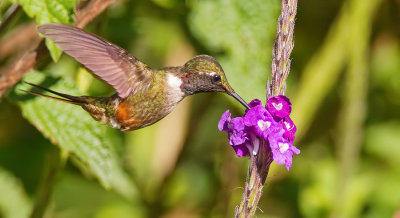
point(143, 95)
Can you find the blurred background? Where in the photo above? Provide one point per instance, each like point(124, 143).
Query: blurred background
point(344, 85)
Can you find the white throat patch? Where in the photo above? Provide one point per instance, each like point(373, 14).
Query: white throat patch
point(175, 91)
point(173, 81)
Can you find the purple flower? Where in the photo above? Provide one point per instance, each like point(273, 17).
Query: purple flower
point(242, 150)
point(239, 136)
point(255, 102)
point(290, 129)
point(223, 124)
point(261, 121)
point(282, 149)
point(272, 125)
point(279, 106)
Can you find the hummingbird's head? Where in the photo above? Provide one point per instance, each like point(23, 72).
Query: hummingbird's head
point(203, 73)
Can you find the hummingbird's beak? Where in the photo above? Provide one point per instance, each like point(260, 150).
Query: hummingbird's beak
point(239, 99)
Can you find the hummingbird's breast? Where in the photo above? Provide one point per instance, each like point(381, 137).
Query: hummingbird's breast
point(148, 106)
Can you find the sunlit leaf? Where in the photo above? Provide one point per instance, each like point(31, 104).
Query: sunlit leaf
point(185, 189)
point(166, 3)
point(76, 133)
point(385, 67)
point(244, 32)
point(77, 197)
point(383, 139)
point(14, 202)
point(383, 202)
point(45, 11)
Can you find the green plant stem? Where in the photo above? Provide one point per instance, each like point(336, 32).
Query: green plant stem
point(280, 67)
point(354, 101)
point(8, 16)
point(258, 172)
point(324, 68)
point(283, 46)
point(46, 186)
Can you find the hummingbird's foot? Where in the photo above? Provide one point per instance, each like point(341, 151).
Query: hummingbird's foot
point(124, 128)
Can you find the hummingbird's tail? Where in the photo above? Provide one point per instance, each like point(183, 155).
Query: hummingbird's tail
point(66, 98)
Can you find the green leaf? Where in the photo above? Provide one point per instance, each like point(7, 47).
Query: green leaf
point(55, 51)
point(244, 31)
point(50, 11)
point(382, 140)
point(14, 202)
point(76, 133)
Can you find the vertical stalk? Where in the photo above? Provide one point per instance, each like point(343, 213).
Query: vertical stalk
point(46, 186)
point(283, 46)
point(280, 67)
point(257, 174)
point(8, 16)
point(354, 100)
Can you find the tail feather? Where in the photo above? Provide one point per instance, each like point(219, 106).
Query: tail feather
point(66, 98)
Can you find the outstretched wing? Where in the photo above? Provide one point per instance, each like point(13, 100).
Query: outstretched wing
point(114, 65)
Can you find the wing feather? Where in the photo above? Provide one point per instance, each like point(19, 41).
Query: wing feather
point(125, 73)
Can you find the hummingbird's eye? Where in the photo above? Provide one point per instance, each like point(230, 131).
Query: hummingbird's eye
point(216, 78)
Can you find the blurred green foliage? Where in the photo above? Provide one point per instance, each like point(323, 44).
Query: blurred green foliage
point(89, 143)
point(43, 11)
point(242, 31)
point(17, 204)
point(344, 85)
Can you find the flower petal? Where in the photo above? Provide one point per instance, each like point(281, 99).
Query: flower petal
point(288, 161)
point(254, 103)
point(259, 123)
point(254, 114)
point(290, 129)
point(237, 124)
point(279, 106)
point(282, 150)
point(223, 124)
point(238, 136)
point(294, 149)
point(241, 150)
